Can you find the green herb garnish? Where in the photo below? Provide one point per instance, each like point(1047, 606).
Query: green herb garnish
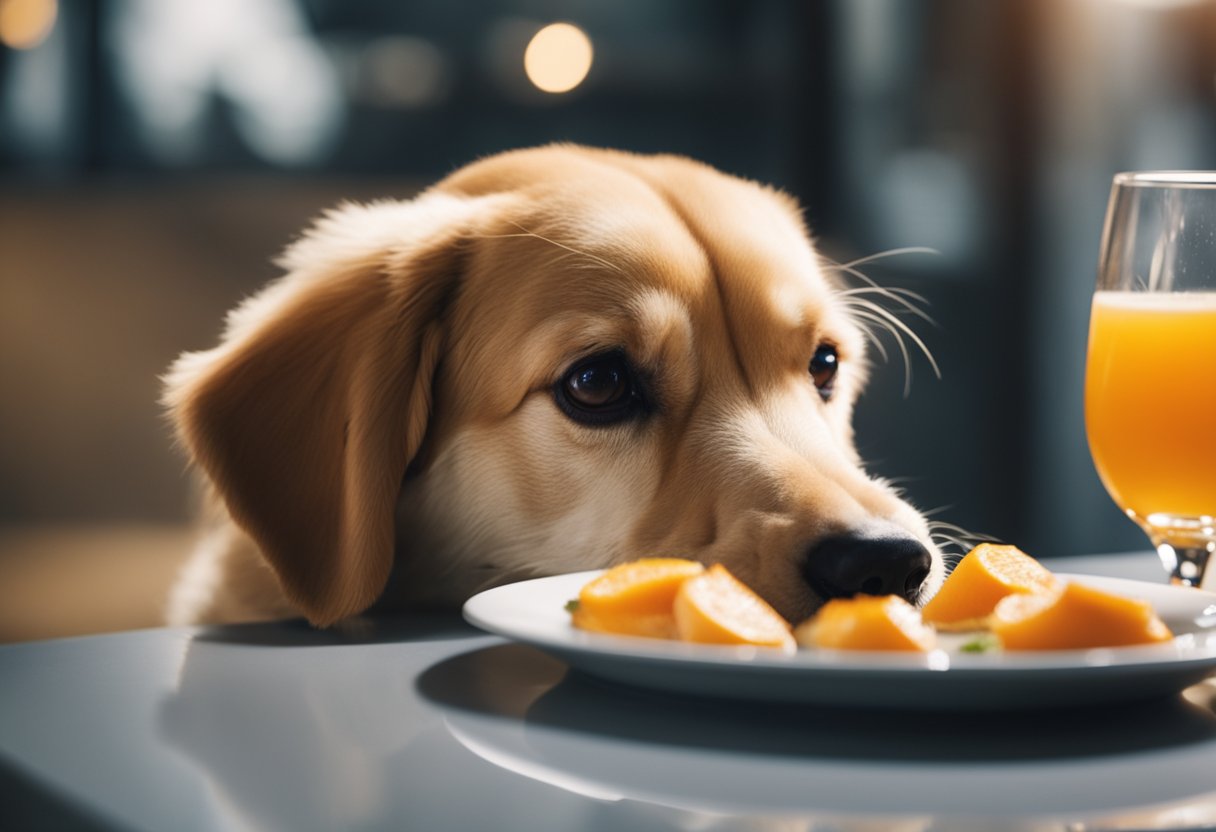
point(572, 605)
point(983, 643)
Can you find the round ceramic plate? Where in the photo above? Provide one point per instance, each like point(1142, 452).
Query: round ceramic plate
point(533, 612)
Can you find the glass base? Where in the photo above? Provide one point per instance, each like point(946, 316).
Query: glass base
point(1184, 544)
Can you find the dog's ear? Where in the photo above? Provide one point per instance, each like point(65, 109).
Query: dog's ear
point(307, 415)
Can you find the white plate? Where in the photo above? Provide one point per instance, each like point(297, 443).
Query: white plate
point(533, 612)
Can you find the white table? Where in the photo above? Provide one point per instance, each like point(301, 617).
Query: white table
point(430, 725)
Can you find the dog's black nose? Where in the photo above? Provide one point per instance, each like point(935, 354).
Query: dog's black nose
point(856, 563)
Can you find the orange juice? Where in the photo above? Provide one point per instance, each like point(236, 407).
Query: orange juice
point(1150, 400)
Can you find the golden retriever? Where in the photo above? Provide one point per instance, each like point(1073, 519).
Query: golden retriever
point(556, 359)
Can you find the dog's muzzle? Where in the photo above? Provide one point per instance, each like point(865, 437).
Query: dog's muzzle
point(867, 562)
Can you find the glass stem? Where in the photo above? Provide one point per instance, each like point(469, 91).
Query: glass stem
point(1185, 546)
point(1186, 564)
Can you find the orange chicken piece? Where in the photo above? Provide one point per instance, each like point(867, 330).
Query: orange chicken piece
point(1074, 618)
point(867, 622)
point(635, 598)
point(716, 608)
point(987, 574)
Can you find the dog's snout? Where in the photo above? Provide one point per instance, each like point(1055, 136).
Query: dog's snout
point(850, 564)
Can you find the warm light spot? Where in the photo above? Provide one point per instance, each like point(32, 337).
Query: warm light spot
point(25, 23)
point(558, 58)
point(1160, 5)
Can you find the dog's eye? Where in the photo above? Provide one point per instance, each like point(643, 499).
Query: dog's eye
point(598, 391)
point(824, 365)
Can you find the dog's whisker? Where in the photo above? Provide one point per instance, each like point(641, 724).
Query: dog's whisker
point(944, 542)
point(864, 311)
point(524, 232)
point(596, 258)
point(873, 339)
point(894, 295)
point(965, 540)
point(886, 291)
point(857, 300)
point(882, 318)
point(868, 310)
point(899, 342)
point(963, 534)
point(941, 535)
point(891, 252)
point(954, 556)
point(873, 287)
point(958, 530)
point(907, 330)
point(964, 543)
point(942, 525)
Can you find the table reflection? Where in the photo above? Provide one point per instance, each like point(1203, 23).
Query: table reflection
point(1148, 764)
point(422, 723)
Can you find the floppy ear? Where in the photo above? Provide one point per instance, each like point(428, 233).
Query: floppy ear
point(307, 415)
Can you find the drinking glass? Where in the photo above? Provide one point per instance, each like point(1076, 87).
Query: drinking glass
point(1150, 380)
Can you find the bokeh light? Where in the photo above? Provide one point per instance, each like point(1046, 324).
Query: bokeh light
point(1160, 5)
point(558, 58)
point(25, 23)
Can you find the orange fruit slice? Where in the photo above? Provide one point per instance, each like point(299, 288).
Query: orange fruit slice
point(716, 608)
point(867, 622)
point(1075, 618)
point(634, 598)
point(987, 574)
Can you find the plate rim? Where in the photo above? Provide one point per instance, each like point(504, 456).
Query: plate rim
point(1179, 655)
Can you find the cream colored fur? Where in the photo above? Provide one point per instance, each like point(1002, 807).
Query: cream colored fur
point(379, 425)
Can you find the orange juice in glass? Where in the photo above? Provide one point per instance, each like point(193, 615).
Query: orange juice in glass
point(1150, 383)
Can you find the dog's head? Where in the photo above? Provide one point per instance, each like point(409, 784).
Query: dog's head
point(556, 359)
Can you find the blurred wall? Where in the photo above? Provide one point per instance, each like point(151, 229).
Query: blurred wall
point(156, 154)
point(105, 283)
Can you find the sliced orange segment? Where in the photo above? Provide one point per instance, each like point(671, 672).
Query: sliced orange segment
point(635, 598)
point(1074, 618)
point(867, 622)
point(716, 608)
point(987, 574)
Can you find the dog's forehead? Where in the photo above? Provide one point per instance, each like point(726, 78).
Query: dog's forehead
point(664, 221)
point(648, 252)
point(683, 228)
point(761, 257)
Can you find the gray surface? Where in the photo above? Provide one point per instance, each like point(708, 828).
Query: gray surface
point(423, 723)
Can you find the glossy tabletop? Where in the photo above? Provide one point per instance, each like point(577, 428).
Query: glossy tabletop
point(425, 723)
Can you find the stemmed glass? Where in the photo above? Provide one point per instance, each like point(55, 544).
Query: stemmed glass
point(1150, 387)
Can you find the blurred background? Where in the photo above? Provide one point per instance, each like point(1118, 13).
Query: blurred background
point(155, 155)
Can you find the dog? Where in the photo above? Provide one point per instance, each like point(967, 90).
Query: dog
point(555, 359)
